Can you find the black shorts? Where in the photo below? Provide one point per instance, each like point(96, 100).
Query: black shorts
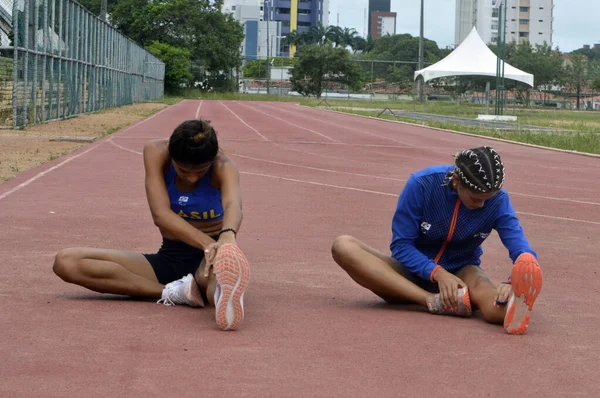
point(174, 260)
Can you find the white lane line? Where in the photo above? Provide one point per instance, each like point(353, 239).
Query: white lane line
point(94, 146)
point(242, 120)
point(290, 123)
point(404, 144)
point(396, 195)
point(198, 110)
point(316, 168)
point(43, 173)
point(382, 193)
point(123, 148)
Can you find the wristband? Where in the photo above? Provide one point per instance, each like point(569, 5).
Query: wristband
point(227, 230)
point(437, 267)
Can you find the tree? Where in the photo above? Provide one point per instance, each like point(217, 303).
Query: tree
point(95, 6)
point(320, 65)
point(217, 49)
point(596, 83)
point(213, 39)
point(577, 74)
point(404, 49)
point(256, 69)
point(338, 36)
point(319, 34)
point(547, 68)
point(540, 60)
point(131, 18)
point(363, 45)
point(593, 54)
point(349, 36)
point(177, 64)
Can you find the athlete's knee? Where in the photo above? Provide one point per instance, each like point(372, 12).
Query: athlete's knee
point(342, 247)
point(66, 263)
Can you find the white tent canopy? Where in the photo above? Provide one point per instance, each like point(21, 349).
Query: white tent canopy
point(472, 58)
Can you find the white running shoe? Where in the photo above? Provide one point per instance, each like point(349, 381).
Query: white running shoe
point(182, 291)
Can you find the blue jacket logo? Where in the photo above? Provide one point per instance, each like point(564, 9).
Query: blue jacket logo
point(425, 227)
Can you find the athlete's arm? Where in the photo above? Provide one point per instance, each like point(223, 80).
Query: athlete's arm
point(405, 231)
point(231, 197)
point(158, 200)
point(510, 231)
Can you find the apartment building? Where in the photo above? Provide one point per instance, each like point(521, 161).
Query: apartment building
point(530, 20)
point(261, 38)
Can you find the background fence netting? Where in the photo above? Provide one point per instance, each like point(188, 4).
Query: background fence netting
point(58, 60)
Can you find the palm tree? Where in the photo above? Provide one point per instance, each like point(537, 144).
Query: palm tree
point(318, 34)
point(293, 38)
point(363, 45)
point(348, 37)
point(335, 34)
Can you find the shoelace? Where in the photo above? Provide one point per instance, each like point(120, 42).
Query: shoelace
point(171, 289)
point(166, 301)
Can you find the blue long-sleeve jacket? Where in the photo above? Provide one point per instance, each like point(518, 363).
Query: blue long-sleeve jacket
point(422, 221)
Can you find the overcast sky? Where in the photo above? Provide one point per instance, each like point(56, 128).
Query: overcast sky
point(576, 22)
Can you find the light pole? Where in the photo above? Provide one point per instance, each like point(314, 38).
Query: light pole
point(499, 108)
point(267, 19)
point(421, 52)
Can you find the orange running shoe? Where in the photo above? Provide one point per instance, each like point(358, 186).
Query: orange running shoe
point(463, 306)
point(233, 274)
point(526, 280)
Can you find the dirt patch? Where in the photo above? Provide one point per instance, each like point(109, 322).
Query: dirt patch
point(21, 150)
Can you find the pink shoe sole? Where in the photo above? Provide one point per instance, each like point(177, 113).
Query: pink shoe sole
point(526, 278)
point(233, 274)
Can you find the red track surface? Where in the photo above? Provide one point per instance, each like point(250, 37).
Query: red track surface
point(308, 176)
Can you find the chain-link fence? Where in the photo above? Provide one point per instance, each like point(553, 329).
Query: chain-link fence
point(394, 80)
point(66, 61)
point(381, 79)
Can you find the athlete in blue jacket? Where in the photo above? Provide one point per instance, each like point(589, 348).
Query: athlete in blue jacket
point(194, 194)
point(443, 216)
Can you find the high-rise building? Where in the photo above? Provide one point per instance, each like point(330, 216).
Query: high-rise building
point(244, 10)
point(382, 23)
point(383, 6)
point(530, 20)
point(297, 15)
point(261, 38)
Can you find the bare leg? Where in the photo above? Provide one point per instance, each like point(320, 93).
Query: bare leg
point(207, 285)
point(376, 271)
point(482, 292)
point(108, 271)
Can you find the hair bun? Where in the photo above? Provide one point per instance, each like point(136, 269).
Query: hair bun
point(193, 142)
point(199, 137)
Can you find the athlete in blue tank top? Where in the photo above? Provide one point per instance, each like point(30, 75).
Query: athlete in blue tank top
point(194, 194)
point(442, 217)
point(201, 204)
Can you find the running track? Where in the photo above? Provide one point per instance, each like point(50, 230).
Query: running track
point(308, 176)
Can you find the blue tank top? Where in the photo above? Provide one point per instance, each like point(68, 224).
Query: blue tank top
point(202, 204)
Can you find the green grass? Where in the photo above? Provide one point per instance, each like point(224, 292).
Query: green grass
point(586, 139)
point(195, 94)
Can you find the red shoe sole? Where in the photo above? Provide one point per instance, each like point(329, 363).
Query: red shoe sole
point(526, 278)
